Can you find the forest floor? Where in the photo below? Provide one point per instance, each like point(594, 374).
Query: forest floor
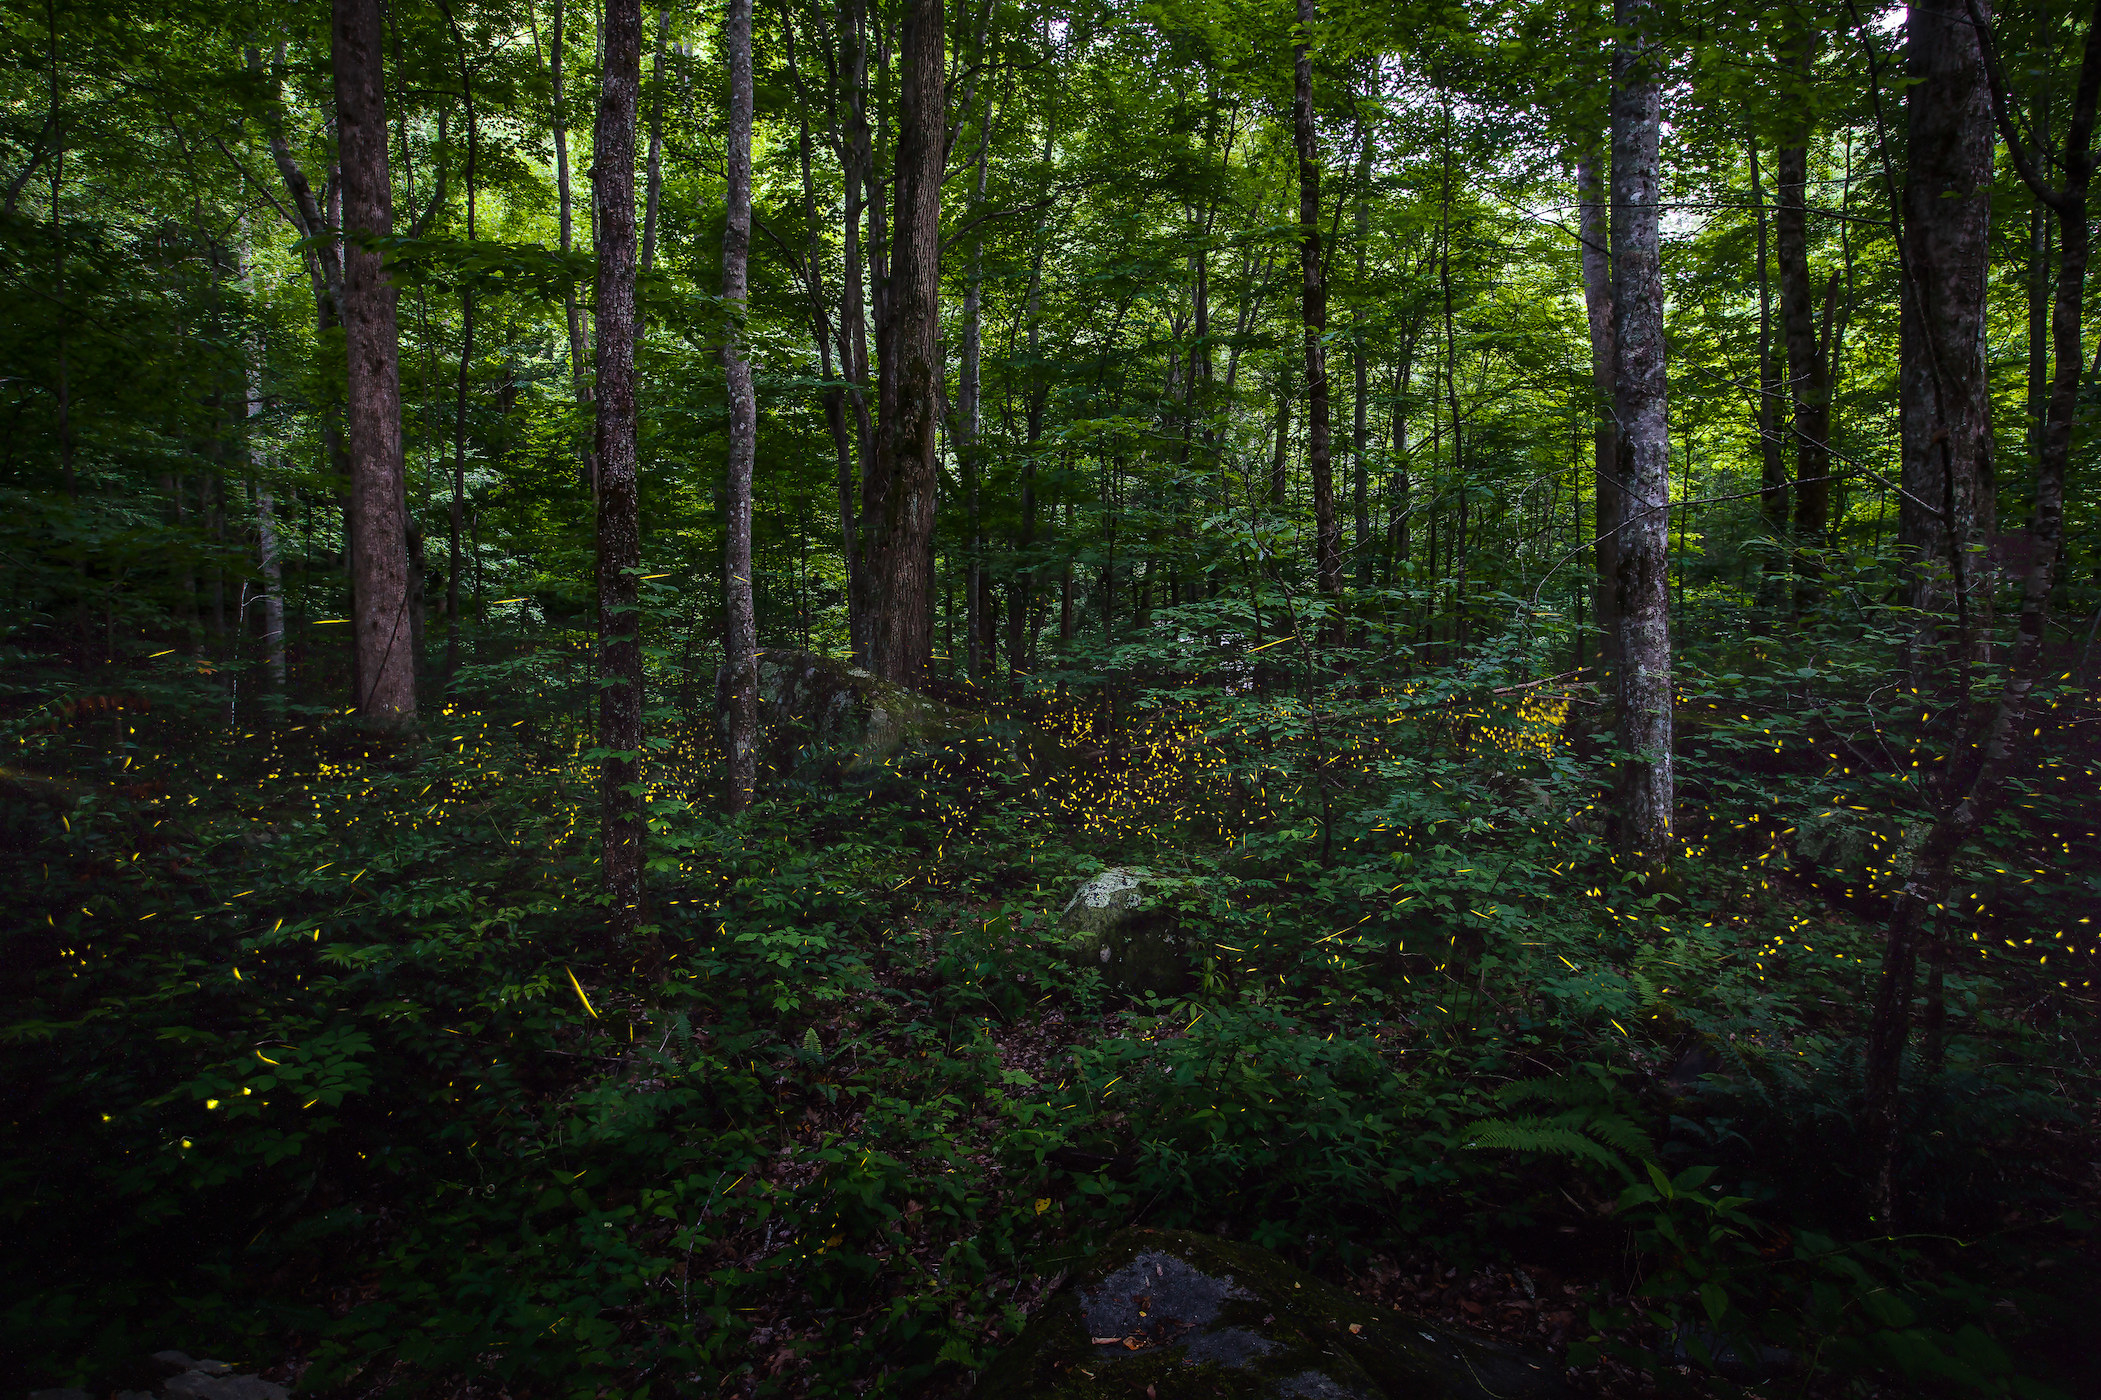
point(317, 1064)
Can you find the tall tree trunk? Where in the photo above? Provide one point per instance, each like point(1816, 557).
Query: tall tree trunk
point(1402, 480)
point(740, 644)
point(1772, 459)
point(1997, 742)
point(1946, 512)
point(1807, 376)
point(897, 494)
point(2038, 323)
point(565, 204)
point(1609, 488)
point(455, 517)
point(619, 507)
point(1456, 539)
point(1313, 303)
point(978, 616)
point(1360, 371)
point(857, 175)
point(653, 170)
point(268, 561)
point(843, 443)
point(1647, 787)
point(372, 351)
point(1020, 640)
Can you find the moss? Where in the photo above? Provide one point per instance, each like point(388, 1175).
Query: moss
point(825, 717)
point(1117, 920)
point(1187, 1315)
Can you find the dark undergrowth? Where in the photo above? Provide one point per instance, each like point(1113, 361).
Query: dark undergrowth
point(312, 1057)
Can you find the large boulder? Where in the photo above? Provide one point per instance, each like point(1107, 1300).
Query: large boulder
point(824, 713)
point(1119, 920)
point(1174, 1315)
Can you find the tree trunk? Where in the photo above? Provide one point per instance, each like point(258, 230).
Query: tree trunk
point(1806, 374)
point(740, 644)
point(565, 203)
point(1772, 459)
point(372, 349)
point(2038, 325)
point(897, 493)
point(268, 561)
point(619, 513)
point(843, 443)
point(1327, 535)
point(969, 382)
point(653, 170)
point(1610, 490)
point(1360, 373)
point(455, 519)
point(1946, 511)
point(1647, 788)
point(856, 168)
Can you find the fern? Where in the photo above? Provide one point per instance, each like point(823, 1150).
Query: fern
point(1593, 1124)
point(1539, 1135)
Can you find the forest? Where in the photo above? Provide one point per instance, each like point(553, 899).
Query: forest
point(945, 698)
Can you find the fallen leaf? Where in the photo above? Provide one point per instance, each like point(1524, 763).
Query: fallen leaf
point(1356, 1327)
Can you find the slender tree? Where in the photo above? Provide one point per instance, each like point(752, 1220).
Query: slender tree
point(379, 549)
point(1313, 303)
point(740, 642)
point(1646, 782)
point(1808, 378)
point(619, 504)
point(1595, 226)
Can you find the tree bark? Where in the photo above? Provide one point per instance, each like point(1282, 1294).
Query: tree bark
point(741, 642)
point(455, 518)
point(1360, 373)
point(653, 170)
point(978, 612)
point(619, 509)
point(897, 492)
point(565, 203)
point(372, 349)
point(1808, 381)
point(1946, 511)
point(1610, 492)
point(1772, 459)
point(1647, 785)
point(1313, 303)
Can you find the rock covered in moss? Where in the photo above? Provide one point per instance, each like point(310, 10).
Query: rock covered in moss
point(822, 712)
point(1175, 1315)
point(1118, 921)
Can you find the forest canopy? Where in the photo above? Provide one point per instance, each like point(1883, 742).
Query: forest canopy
point(692, 693)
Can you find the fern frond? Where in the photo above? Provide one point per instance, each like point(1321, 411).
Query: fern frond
point(1539, 1135)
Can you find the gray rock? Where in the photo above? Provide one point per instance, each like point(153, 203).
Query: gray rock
point(1180, 1316)
point(1117, 920)
point(196, 1385)
point(173, 1363)
point(823, 714)
point(64, 1394)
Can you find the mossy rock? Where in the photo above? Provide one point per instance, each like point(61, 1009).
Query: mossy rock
point(1118, 920)
point(1177, 1316)
point(824, 716)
